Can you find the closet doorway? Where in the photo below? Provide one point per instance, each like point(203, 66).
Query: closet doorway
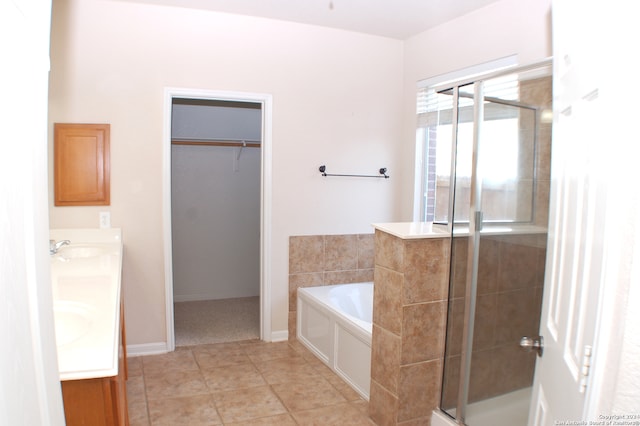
point(216, 212)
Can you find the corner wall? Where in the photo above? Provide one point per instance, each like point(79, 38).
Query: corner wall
point(30, 384)
point(336, 101)
point(340, 98)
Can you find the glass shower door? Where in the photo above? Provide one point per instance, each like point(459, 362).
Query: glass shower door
point(498, 249)
point(509, 257)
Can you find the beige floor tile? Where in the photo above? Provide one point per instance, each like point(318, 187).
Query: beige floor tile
point(141, 423)
point(240, 383)
point(221, 355)
point(338, 415)
point(299, 347)
point(284, 370)
point(134, 367)
point(138, 415)
point(281, 420)
point(256, 345)
point(135, 389)
point(178, 360)
point(320, 367)
point(197, 410)
point(233, 377)
point(265, 352)
point(345, 390)
point(230, 347)
point(175, 383)
point(307, 393)
point(247, 404)
point(362, 406)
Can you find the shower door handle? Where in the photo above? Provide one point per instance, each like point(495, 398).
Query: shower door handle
point(532, 343)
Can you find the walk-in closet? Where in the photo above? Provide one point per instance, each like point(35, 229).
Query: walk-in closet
point(215, 220)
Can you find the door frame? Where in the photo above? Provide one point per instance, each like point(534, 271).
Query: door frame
point(266, 100)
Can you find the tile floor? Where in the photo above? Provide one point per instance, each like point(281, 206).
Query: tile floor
point(241, 383)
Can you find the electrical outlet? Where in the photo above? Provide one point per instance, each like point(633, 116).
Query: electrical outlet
point(105, 220)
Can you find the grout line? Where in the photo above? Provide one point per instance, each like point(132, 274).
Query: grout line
point(298, 352)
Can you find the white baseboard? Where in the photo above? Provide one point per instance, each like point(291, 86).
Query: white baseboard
point(147, 349)
point(280, 336)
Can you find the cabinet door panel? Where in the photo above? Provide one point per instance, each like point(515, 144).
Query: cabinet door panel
point(81, 164)
point(87, 402)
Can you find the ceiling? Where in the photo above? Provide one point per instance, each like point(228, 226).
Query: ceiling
point(399, 19)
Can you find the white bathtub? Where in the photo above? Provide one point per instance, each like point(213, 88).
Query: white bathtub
point(334, 322)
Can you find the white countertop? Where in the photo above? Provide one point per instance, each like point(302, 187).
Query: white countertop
point(416, 230)
point(413, 230)
point(86, 283)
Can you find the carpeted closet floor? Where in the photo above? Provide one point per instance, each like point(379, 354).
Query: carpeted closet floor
point(216, 321)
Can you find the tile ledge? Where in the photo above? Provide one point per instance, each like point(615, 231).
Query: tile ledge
point(413, 230)
point(418, 230)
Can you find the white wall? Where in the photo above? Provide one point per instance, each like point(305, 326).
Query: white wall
point(342, 99)
point(503, 28)
point(29, 381)
point(336, 101)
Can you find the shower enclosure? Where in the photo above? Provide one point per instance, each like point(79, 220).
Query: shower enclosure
point(490, 183)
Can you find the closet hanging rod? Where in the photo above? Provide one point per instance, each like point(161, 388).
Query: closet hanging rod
point(382, 171)
point(217, 142)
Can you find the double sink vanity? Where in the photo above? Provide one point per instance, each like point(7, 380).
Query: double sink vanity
point(89, 324)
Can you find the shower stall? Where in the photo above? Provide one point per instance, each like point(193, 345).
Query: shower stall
point(487, 141)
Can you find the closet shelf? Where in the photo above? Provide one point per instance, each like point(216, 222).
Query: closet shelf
point(217, 142)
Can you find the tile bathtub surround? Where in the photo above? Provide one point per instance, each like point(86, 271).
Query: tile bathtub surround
point(316, 260)
point(409, 320)
point(241, 383)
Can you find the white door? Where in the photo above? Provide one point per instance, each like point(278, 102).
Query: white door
point(576, 248)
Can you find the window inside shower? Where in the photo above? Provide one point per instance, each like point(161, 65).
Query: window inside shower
point(508, 154)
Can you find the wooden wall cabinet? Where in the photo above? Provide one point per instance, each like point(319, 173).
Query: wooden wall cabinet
point(81, 164)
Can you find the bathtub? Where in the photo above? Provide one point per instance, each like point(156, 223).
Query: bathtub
point(334, 322)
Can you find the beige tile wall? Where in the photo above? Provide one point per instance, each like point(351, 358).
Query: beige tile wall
point(538, 92)
point(510, 280)
point(409, 321)
point(410, 313)
point(316, 260)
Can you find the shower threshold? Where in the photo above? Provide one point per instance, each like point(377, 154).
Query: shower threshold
point(510, 409)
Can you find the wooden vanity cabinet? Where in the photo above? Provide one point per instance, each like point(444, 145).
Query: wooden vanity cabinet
point(100, 401)
point(81, 164)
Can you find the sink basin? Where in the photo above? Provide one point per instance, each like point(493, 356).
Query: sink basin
point(72, 321)
point(83, 251)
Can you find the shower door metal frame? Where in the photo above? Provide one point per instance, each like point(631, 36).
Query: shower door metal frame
point(475, 212)
point(473, 250)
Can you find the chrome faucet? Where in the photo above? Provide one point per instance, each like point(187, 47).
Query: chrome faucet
point(54, 247)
